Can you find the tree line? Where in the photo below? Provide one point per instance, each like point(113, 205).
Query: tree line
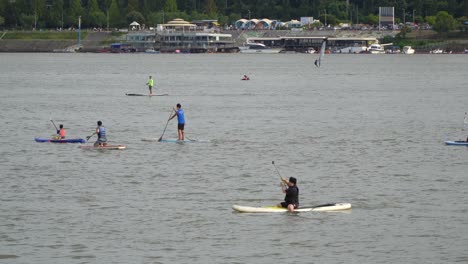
point(41, 14)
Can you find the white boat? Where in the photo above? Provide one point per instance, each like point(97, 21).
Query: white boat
point(408, 50)
point(253, 47)
point(310, 51)
point(436, 51)
point(351, 50)
point(376, 49)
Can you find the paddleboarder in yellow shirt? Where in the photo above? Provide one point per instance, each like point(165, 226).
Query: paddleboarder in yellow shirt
point(150, 84)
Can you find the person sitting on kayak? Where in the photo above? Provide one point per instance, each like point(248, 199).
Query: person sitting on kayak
point(101, 132)
point(60, 133)
point(246, 78)
point(291, 200)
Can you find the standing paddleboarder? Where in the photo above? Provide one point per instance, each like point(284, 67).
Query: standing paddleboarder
point(150, 84)
point(179, 112)
point(291, 200)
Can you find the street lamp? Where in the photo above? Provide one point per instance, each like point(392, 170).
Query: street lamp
point(79, 31)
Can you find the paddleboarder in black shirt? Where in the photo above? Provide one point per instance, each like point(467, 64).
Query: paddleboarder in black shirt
point(291, 200)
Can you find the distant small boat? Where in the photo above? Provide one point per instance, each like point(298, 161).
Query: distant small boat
point(376, 49)
point(436, 51)
point(408, 50)
point(252, 47)
point(152, 51)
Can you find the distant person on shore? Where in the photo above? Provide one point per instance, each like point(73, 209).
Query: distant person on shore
point(150, 84)
point(179, 112)
point(60, 133)
point(291, 200)
point(101, 133)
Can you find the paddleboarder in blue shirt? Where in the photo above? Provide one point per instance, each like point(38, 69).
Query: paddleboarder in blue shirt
point(179, 112)
point(291, 200)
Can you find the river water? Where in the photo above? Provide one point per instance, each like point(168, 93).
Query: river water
point(363, 129)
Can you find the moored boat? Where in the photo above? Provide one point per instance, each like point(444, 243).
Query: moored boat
point(253, 47)
point(376, 49)
point(408, 50)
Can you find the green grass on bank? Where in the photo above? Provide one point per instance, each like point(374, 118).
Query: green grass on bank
point(47, 35)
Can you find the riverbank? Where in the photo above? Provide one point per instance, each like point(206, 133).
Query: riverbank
point(53, 42)
point(423, 40)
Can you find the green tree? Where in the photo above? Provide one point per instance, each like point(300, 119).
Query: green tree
point(2, 21)
point(170, 6)
point(115, 19)
point(444, 22)
point(95, 16)
point(98, 19)
point(93, 6)
point(132, 6)
point(38, 8)
point(155, 18)
point(27, 21)
point(372, 19)
point(464, 7)
point(76, 10)
point(431, 20)
point(211, 9)
point(135, 16)
point(56, 14)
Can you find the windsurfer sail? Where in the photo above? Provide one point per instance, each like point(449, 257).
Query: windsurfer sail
point(322, 53)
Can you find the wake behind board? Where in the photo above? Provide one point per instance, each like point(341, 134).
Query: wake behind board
point(275, 209)
point(92, 147)
point(134, 94)
point(67, 140)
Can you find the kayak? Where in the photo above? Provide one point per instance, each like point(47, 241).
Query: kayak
point(134, 94)
point(456, 143)
point(92, 147)
point(66, 140)
point(168, 140)
point(275, 209)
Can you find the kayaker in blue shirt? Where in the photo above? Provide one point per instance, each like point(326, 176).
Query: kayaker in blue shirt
point(291, 200)
point(179, 112)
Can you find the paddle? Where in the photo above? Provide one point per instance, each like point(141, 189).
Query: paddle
point(88, 137)
point(283, 181)
point(54, 124)
point(465, 122)
point(165, 126)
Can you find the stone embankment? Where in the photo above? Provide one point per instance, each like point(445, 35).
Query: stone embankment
point(91, 43)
